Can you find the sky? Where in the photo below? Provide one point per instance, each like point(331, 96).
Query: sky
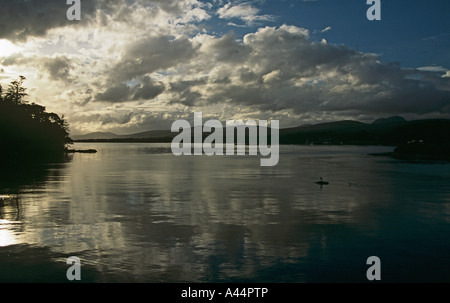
point(135, 65)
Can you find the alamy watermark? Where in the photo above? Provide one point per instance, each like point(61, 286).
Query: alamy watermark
point(74, 12)
point(74, 271)
point(214, 144)
point(374, 12)
point(373, 272)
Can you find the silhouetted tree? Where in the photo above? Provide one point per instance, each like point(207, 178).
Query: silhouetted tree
point(27, 130)
point(16, 93)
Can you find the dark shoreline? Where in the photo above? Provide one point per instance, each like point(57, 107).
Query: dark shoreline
point(409, 155)
point(85, 151)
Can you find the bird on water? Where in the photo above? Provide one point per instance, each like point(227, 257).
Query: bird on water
point(321, 182)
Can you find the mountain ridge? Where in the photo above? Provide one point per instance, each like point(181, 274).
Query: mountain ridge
point(163, 133)
point(386, 131)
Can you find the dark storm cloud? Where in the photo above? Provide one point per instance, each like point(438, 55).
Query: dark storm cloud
point(183, 90)
point(121, 92)
point(152, 54)
point(20, 19)
point(140, 59)
point(117, 93)
point(412, 96)
point(148, 89)
point(227, 49)
point(59, 68)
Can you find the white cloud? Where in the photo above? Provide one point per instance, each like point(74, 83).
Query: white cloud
point(432, 69)
point(7, 48)
point(436, 69)
point(272, 76)
point(326, 29)
point(244, 11)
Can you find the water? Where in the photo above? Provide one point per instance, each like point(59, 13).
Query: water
point(136, 213)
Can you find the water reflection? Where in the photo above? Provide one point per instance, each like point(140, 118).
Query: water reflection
point(136, 213)
point(15, 179)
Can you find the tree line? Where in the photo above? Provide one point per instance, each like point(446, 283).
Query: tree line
point(27, 131)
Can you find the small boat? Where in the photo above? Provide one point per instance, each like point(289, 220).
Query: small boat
point(321, 182)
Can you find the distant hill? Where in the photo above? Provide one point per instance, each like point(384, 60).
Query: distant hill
point(396, 119)
point(150, 134)
point(392, 131)
point(95, 135)
point(345, 125)
point(112, 137)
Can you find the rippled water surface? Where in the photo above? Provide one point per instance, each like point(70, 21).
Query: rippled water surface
point(137, 213)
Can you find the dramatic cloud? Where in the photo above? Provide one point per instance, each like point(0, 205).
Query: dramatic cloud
point(152, 54)
point(282, 69)
point(121, 92)
point(21, 19)
point(148, 90)
point(140, 65)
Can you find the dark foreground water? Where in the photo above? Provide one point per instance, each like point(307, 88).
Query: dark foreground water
point(136, 213)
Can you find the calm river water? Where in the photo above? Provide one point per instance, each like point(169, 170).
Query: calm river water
point(137, 213)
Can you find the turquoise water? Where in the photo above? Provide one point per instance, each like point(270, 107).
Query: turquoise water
point(136, 213)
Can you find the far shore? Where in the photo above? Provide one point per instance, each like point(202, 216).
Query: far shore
point(85, 151)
